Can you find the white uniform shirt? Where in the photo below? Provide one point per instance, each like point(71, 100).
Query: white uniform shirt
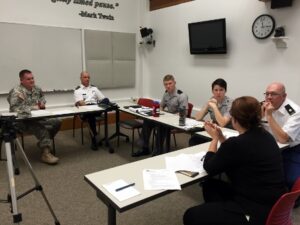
point(90, 94)
point(288, 121)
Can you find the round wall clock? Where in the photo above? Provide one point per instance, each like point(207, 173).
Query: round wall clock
point(263, 26)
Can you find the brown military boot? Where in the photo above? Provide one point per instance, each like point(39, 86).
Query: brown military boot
point(47, 157)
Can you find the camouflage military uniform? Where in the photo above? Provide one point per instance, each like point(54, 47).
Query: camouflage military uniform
point(23, 101)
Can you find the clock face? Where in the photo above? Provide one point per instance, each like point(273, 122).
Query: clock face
point(263, 26)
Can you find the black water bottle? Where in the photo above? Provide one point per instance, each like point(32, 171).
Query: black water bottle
point(182, 116)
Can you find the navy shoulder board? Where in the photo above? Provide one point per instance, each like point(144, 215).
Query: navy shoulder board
point(289, 109)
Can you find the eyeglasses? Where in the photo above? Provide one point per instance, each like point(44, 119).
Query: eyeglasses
point(272, 94)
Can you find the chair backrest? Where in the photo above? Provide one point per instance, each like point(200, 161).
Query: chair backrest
point(190, 108)
point(145, 102)
point(280, 213)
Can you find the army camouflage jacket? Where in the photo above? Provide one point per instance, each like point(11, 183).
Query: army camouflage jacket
point(22, 101)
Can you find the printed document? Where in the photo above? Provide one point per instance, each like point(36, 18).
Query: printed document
point(160, 179)
point(191, 123)
point(189, 162)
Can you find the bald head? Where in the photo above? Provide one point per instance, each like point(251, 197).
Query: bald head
point(275, 93)
point(279, 87)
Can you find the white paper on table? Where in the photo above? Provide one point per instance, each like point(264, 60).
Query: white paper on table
point(190, 123)
point(160, 179)
point(89, 107)
point(123, 194)
point(140, 110)
point(9, 114)
point(189, 162)
point(62, 112)
point(40, 112)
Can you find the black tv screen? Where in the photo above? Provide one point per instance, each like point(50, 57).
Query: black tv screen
point(208, 37)
point(280, 3)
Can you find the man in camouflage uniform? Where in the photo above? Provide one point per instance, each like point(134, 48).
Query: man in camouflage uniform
point(26, 97)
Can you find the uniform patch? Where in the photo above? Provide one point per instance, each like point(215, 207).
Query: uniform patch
point(289, 109)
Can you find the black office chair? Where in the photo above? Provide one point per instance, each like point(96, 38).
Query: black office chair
point(136, 124)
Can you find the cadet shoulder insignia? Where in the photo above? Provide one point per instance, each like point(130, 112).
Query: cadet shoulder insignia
point(289, 109)
point(179, 92)
point(77, 87)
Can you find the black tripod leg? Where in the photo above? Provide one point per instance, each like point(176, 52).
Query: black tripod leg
point(38, 185)
point(14, 159)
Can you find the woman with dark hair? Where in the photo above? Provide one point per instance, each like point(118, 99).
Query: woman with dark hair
point(217, 107)
point(253, 165)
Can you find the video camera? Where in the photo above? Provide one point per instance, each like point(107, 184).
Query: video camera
point(6, 120)
point(8, 126)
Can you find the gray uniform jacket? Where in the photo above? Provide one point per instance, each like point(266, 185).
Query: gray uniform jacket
point(172, 102)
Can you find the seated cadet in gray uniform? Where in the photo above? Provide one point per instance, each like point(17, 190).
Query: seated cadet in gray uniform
point(282, 119)
point(172, 100)
point(26, 97)
point(218, 107)
point(87, 94)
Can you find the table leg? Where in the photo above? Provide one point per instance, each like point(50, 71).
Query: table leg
point(168, 139)
point(106, 138)
point(111, 215)
point(118, 133)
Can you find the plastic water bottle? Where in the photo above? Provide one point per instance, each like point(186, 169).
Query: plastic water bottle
point(156, 109)
point(182, 116)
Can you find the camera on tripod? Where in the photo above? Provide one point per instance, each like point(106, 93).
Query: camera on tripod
point(7, 126)
point(8, 135)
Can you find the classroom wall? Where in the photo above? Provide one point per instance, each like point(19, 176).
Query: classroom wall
point(65, 13)
point(249, 65)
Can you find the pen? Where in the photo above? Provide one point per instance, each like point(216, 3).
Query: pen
point(202, 159)
point(126, 186)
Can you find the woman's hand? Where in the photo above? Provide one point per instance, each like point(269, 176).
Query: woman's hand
point(213, 130)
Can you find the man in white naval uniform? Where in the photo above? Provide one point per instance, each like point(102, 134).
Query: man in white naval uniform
point(87, 94)
point(282, 119)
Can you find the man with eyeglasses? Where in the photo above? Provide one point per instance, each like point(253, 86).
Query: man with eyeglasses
point(282, 117)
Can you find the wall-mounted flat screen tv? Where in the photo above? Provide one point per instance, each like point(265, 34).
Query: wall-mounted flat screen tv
point(280, 3)
point(208, 37)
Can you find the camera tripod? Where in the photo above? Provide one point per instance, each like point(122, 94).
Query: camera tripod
point(8, 135)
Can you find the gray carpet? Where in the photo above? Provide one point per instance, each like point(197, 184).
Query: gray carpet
point(74, 201)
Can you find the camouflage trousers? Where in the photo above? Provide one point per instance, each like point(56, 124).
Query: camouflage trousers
point(44, 130)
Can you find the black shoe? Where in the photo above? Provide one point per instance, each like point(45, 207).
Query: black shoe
point(140, 153)
point(94, 145)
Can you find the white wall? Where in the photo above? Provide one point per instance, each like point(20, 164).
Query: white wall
point(249, 65)
point(59, 14)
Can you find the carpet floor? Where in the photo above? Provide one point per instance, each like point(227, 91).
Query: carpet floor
point(73, 200)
